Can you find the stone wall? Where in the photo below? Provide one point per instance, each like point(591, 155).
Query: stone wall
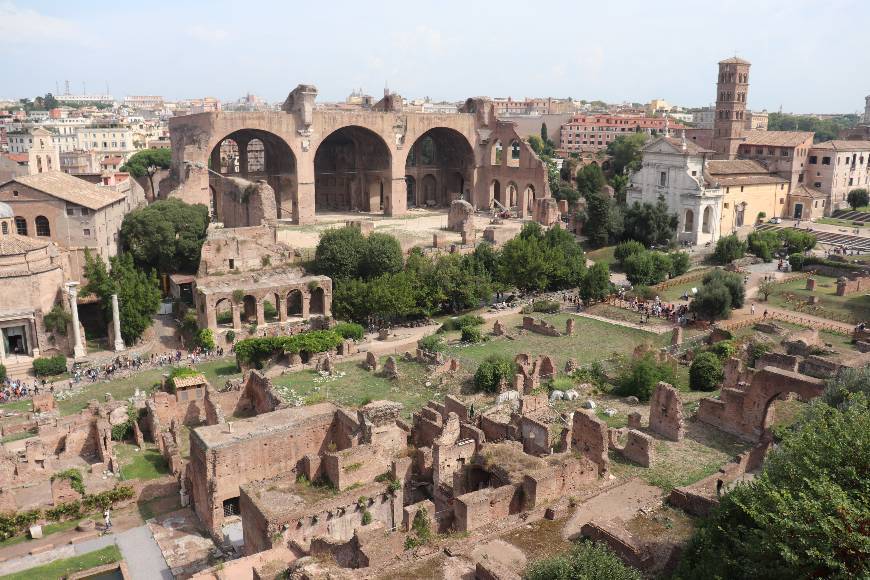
point(568, 478)
point(355, 465)
point(540, 326)
point(589, 437)
point(666, 412)
point(480, 508)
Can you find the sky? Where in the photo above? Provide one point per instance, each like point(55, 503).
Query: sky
point(807, 56)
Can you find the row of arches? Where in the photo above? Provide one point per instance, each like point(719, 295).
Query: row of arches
point(509, 196)
point(41, 223)
point(276, 306)
point(496, 154)
point(706, 222)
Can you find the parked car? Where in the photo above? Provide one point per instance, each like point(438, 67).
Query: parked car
point(775, 220)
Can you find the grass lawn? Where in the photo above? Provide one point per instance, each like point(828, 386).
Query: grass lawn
point(603, 255)
point(24, 405)
point(144, 464)
point(836, 222)
point(219, 371)
point(47, 530)
point(17, 436)
point(63, 568)
point(851, 308)
point(358, 386)
point(625, 315)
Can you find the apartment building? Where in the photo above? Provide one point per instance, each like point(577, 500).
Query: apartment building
point(595, 132)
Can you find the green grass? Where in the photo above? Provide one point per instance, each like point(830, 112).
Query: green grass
point(359, 386)
point(837, 222)
point(17, 437)
point(24, 405)
point(47, 530)
point(62, 568)
point(793, 295)
point(144, 464)
point(603, 255)
point(218, 372)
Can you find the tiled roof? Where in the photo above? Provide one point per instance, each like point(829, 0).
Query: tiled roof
point(804, 191)
point(735, 166)
point(692, 148)
point(843, 145)
point(191, 381)
point(13, 244)
point(734, 60)
point(749, 179)
point(71, 189)
point(777, 138)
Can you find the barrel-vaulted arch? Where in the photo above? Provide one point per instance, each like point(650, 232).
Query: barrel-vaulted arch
point(440, 162)
point(352, 171)
point(254, 154)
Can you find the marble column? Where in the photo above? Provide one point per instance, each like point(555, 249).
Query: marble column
point(116, 321)
point(78, 347)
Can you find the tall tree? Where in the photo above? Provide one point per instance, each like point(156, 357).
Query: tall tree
point(148, 162)
point(626, 152)
point(650, 224)
point(166, 236)
point(590, 180)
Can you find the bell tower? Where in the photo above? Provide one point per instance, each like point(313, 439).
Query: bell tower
point(732, 89)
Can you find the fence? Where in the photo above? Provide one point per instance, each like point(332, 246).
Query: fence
point(689, 277)
point(732, 325)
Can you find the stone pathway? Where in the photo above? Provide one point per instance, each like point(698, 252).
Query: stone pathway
point(620, 502)
point(653, 328)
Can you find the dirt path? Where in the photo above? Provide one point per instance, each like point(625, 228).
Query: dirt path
point(620, 502)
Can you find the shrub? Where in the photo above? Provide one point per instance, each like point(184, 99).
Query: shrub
point(561, 384)
point(382, 254)
point(431, 343)
point(205, 339)
point(256, 350)
point(644, 292)
point(797, 261)
point(728, 249)
point(471, 334)
point(724, 349)
point(270, 312)
point(797, 241)
point(231, 336)
point(349, 330)
point(492, 371)
point(732, 281)
point(713, 301)
point(764, 244)
point(640, 269)
point(546, 306)
point(459, 322)
point(706, 373)
point(49, 366)
point(626, 249)
point(642, 375)
point(584, 561)
point(366, 518)
point(57, 320)
point(421, 530)
point(858, 198)
point(122, 430)
point(679, 263)
point(339, 252)
point(74, 476)
point(757, 350)
point(845, 384)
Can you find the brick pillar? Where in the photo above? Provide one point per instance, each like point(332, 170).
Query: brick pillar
point(281, 305)
point(243, 156)
point(306, 304)
point(261, 316)
point(237, 318)
point(396, 195)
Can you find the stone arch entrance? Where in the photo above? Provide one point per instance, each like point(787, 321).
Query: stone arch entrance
point(511, 195)
point(689, 221)
point(350, 167)
point(411, 189)
point(445, 155)
point(529, 195)
point(224, 313)
point(429, 191)
point(254, 154)
point(707, 221)
point(318, 301)
point(294, 303)
point(495, 192)
point(249, 309)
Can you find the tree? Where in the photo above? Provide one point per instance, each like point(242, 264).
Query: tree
point(803, 516)
point(641, 376)
point(138, 292)
point(536, 260)
point(625, 151)
point(382, 254)
point(797, 241)
point(858, 198)
point(584, 561)
point(148, 162)
point(766, 287)
point(651, 224)
point(627, 248)
point(492, 371)
point(339, 252)
point(641, 270)
point(590, 180)
point(732, 281)
point(545, 137)
point(679, 263)
point(728, 249)
point(706, 373)
point(166, 236)
point(841, 388)
point(596, 283)
point(764, 244)
point(712, 301)
point(536, 144)
point(824, 129)
point(596, 227)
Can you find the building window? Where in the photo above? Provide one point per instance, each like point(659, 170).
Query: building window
point(86, 233)
point(813, 159)
point(817, 184)
point(784, 152)
point(85, 211)
point(826, 160)
point(42, 227)
point(5, 228)
point(70, 210)
point(21, 226)
point(663, 178)
point(14, 193)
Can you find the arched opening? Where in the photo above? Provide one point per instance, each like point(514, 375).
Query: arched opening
point(529, 194)
point(495, 192)
point(270, 308)
point(224, 313)
point(249, 310)
point(5, 228)
point(42, 226)
point(294, 303)
point(350, 166)
point(253, 154)
point(514, 159)
point(689, 221)
point(21, 226)
point(446, 156)
point(429, 190)
point(707, 223)
point(410, 187)
point(511, 196)
point(781, 410)
point(256, 156)
point(318, 301)
point(496, 153)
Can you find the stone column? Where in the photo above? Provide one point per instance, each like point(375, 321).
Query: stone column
point(261, 316)
point(2, 347)
point(237, 318)
point(116, 322)
point(78, 348)
point(306, 304)
point(396, 195)
point(281, 305)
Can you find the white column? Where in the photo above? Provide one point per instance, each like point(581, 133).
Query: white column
point(78, 349)
point(116, 320)
point(2, 347)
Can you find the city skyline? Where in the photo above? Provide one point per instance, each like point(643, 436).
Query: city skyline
point(449, 54)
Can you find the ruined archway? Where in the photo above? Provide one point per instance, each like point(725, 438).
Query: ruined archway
point(254, 154)
point(318, 301)
point(411, 190)
point(495, 192)
point(249, 309)
point(294, 303)
point(224, 313)
point(350, 167)
point(529, 195)
point(446, 156)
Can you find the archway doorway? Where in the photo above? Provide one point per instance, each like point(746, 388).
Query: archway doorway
point(445, 156)
point(350, 167)
point(494, 192)
point(318, 301)
point(411, 189)
point(249, 310)
point(294, 303)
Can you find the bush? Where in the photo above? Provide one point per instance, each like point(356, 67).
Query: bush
point(757, 350)
point(492, 371)
point(626, 249)
point(270, 312)
point(561, 384)
point(858, 198)
point(848, 381)
point(732, 281)
point(350, 330)
point(584, 561)
point(57, 320)
point(74, 476)
point(713, 301)
point(366, 518)
point(49, 366)
point(546, 306)
point(459, 322)
point(680, 263)
point(640, 269)
point(431, 343)
point(644, 292)
point(205, 339)
point(724, 349)
point(642, 375)
point(339, 252)
point(596, 283)
point(382, 254)
point(471, 335)
point(764, 244)
point(231, 336)
point(706, 373)
point(254, 351)
point(797, 261)
point(797, 241)
point(728, 249)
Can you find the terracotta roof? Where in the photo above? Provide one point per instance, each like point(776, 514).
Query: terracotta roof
point(777, 138)
point(13, 244)
point(113, 160)
point(843, 145)
point(735, 166)
point(804, 191)
point(692, 148)
point(749, 179)
point(71, 189)
point(191, 381)
point(734, 60)
point(18, 157)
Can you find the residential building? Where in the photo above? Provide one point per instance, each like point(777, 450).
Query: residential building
point(507, 107)
point(107, 139)
point(144, 102)
point(836, 168)
point(657, 105)
point(594, 132)
point(703, 119)
point(102, 99)
point(782, 152)
point(43, 155)
point(751, 192)
point(756, 121)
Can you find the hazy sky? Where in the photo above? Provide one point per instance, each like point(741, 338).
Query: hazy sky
point(806, 55)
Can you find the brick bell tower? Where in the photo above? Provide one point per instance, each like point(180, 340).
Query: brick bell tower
point(731, 93)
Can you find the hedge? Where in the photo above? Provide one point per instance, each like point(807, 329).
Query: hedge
point(547, 306)
point(350, 330)
point(49, 365)
point(256, 350)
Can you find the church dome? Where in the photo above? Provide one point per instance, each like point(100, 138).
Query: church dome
point(6, 211)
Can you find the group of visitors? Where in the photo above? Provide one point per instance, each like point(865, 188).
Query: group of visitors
point(17, 389)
